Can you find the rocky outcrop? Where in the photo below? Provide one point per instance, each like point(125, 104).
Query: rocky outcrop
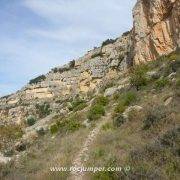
point(156, 28)
point(80, 76)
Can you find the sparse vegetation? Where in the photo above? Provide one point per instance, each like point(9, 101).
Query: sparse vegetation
point(107, 175)
point(54, 128)
point(95, 112)
point(178, 83)
point(97, 108)
point(43, 109)
point(120, 108)
point(77, 104)
point(138, 76)
point(118, 121)
point(31, 120)
point(107, 126)
point(101, 100)
point(125, 100)
point(108, 85)
point(64, 125)
point(163, 153)
point(108, 41)
point(154, 114)
point(37, 79)
point(161, 83)
point(72, 124)
point(10, 132)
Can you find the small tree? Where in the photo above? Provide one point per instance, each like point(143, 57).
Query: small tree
point(138, 77)
point(43, 109)
point(31, 120)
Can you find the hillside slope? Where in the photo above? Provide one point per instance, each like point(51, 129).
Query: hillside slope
point(49, 119)
point(132, 123)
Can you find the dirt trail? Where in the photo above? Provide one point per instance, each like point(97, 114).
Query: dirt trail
point(83, 155)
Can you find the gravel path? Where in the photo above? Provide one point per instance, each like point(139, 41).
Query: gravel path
point(83, 156)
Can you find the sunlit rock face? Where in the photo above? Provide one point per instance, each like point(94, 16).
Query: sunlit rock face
point(156, 28)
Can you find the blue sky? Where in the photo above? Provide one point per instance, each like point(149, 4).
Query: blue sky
point(37, 35)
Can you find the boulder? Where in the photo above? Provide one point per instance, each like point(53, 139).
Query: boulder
point(152, 75)
point(110, 91)
point(41, 130)
point(130, 109)
point(4, 160)
point(168, 101)
point(86, 123)
point(172, 75)
point(123, 87)
point(114, 63)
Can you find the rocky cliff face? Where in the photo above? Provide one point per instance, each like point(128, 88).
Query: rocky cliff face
point(156, 28)
point(156, 32)
point(79, 77)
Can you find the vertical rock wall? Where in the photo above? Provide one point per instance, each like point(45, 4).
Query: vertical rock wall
point(156, 28)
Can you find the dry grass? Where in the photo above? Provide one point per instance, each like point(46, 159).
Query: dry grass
point(121, 143)
point(48, 152)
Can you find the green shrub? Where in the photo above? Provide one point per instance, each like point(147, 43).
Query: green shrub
point(8, 152)
point(101, 100)
point(162, 82)
point(31, 120)
point(138, 77)
point(120, 108)
point(72, 124)
point(129, 97)
point(97, 108)
point(125, 100)
point(95, 112)
point(77, 104)
point(108, 41)
point(80, 107)
point(37, 79)
point(107, 175)
point(54, 128)
point(43, 110)
point(69, 124)
point(118, 121)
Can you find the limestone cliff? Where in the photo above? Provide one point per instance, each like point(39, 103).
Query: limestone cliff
point(156, 28)
point(79, 77)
